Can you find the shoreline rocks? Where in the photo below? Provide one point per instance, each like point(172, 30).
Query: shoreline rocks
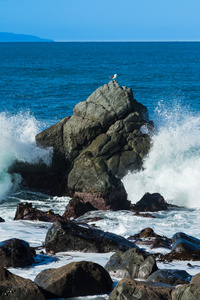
point(72, 236)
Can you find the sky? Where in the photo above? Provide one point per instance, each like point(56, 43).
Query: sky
point(103, 20)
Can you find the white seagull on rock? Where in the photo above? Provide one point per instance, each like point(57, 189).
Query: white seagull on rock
point(113, 77)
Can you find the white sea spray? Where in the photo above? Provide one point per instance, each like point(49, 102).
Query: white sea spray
point(172, 167)
point(17, 143)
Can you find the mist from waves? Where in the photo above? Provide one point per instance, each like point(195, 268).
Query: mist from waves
point(172, 167)
point(17, 143)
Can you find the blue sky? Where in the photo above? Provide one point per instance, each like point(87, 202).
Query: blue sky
point(103, 20)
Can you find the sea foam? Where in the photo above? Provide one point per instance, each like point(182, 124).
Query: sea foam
point(17, 143)
point(172, 167)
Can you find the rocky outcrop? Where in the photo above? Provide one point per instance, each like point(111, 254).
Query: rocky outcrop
point(72, 236)
point(151, 202)
point(13, 287)
point(134, 263)
point(99, 144)
point(130, 289)
point(15, 253)
point(75, 279)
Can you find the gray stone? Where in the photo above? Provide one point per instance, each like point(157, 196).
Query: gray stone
point(129, 289)
point(134, 263)
point(186, 292)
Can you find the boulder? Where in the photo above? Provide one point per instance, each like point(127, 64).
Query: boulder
point(151, 202)
point(2, 220)
point(15, 253)
point(186, 292)
point(13, 287)
point(72, 236)
point(185, 247)
point(134, 263)
point(129, 289)
point(25, 211)
point(99, 143)
point(171, 277)
point(195, 279)
point(75, 279)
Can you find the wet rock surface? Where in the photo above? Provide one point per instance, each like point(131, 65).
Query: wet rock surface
point(25, 211)
point(15, 253)
point(151, 202)
point(13, 287)
point(72, 236)
point(75, 279)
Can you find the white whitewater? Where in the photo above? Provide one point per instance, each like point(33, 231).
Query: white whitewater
point(17, 143)
point(172, 167)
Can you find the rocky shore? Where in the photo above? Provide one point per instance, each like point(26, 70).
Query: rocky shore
point(107, 136)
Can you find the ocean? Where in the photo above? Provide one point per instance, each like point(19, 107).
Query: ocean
point(40, 83)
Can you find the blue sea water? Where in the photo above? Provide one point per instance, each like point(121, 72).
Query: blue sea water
point(40, 83)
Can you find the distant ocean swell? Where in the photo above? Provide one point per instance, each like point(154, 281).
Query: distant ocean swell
point(172, 167)
point(17, 142)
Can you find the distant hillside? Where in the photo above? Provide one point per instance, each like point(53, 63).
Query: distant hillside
point(12, 37)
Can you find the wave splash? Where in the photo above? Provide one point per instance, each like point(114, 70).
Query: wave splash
point(17, 143)
point(172, 167)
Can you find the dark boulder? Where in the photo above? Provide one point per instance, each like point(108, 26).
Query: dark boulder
point(25, 211)
point(2, 220)
point(151, 202)
point(171, 277)
point(72, 236)
point(15, 253)
point(134, 263)
point(185, 247)
point(129, 289)
point(75, 279)
point(13, 287)
point(76, 208)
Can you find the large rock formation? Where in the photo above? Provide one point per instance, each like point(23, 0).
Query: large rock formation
point(95, 147)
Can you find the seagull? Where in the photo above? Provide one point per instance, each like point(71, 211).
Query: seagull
point(113, 77)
